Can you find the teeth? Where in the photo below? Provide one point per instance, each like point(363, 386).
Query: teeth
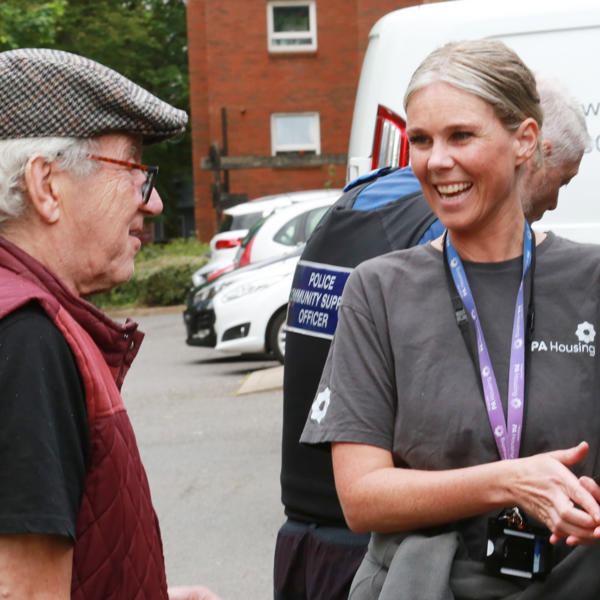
point(453, 188)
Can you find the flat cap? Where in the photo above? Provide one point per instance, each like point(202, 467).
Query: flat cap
point(51, 93)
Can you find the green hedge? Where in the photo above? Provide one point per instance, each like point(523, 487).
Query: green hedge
point(162, 276)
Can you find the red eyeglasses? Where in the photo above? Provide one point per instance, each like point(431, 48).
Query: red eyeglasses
point(150, 172)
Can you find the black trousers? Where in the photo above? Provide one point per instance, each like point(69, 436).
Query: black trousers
point(316, 563)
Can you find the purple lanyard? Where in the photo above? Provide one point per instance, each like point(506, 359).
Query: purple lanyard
point(508, 437)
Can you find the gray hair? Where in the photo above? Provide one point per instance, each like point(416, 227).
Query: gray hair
point(69, 154)
point(564, 122)
point(488, 69)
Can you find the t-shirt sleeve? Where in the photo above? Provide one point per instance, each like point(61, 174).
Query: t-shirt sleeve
point(44, 441)
point(355, 400)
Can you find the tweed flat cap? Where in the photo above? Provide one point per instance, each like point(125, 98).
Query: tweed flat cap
point(50, 93)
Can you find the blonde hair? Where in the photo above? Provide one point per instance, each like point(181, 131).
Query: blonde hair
point(488, 69)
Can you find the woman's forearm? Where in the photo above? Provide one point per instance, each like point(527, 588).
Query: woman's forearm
point(379, 497)
point(376, 496)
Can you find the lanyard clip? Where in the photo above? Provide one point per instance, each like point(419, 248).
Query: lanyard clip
point(514, 518)
point(461, 317)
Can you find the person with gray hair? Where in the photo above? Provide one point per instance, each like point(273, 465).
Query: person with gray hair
point(565, 138)
point(459, 394)
point(76, 516)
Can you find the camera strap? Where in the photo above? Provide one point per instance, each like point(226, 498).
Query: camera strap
point(507, 432)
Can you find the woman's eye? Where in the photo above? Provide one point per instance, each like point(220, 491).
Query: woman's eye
point(417, 139)
point(461, 135)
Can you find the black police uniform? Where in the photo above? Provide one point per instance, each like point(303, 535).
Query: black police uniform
point(316, 554)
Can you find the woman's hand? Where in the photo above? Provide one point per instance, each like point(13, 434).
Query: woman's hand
point(591, 486)
point(194, 592)
point(546, 489)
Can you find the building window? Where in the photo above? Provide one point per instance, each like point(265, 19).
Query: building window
point(295, 132)
point(292, 25)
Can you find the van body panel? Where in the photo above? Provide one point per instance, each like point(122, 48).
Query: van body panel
point(555, 38)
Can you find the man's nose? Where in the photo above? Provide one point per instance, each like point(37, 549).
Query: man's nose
point(154, 205)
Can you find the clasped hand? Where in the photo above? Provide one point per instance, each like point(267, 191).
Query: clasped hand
point(196, 592)
point(547, 489)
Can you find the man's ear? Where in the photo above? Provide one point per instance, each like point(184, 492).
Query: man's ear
point(41, 192)
point(526, 138)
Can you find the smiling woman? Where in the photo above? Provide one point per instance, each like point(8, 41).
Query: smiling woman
point(470, 128)
point(468, 164)
point(431, 374)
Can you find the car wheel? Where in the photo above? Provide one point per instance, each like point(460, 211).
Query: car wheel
point(277, 336)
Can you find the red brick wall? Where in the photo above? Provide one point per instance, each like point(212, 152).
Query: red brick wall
point(199, 99)
point(231, 67)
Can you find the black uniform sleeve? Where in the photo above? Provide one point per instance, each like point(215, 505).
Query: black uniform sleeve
point(44, 440)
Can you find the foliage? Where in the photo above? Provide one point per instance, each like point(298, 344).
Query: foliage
point(168, 286)
point(145, 40)
point(29, 24)
point(162, 275)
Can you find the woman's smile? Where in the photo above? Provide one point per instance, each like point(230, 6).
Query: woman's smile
point(453, 192)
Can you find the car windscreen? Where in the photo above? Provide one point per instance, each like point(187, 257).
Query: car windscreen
point(244, 221)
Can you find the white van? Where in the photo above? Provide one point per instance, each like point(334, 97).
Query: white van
point(556, 38)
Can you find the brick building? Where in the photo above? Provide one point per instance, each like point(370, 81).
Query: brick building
point(273, 84)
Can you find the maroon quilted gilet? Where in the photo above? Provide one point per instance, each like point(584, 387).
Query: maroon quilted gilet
point(118, 553)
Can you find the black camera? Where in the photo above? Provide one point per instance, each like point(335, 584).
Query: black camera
point(516, 550)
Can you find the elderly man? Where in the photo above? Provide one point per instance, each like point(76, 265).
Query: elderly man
point(316, 555)
point(564, 140)
point(76, 517)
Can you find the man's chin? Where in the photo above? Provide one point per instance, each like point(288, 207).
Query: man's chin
point(108, 284)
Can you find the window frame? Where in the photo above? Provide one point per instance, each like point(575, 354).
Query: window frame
point(272, 35)
point(316, 130)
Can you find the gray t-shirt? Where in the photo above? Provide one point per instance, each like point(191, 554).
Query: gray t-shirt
point(399, 375)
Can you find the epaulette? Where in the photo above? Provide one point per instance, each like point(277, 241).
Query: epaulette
point(370, 176)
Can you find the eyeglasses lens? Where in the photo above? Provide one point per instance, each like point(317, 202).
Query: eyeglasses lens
point(148, 185)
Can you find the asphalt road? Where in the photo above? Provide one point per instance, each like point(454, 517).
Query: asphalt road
point(212, 459)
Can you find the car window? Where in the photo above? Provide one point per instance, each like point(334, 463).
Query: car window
point(225, 224)
point(312, 220)
point(252, 231)
point(246, 221)
point(288, 233)
point(246, 240)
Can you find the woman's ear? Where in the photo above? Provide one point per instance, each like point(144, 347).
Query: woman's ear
point(526, 138)
point(41, 192)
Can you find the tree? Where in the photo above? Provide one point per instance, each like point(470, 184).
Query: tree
point(26, 24)
point(145, 40)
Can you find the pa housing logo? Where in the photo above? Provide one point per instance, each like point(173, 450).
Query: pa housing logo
point(585, 333)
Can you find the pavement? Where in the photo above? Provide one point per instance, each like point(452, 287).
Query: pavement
point(263, 380)
point(212, 457)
